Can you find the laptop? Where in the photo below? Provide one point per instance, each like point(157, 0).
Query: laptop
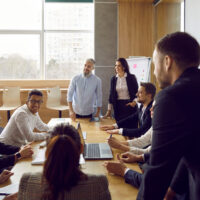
point(94, 151)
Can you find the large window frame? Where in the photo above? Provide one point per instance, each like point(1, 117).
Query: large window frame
point(41, 33)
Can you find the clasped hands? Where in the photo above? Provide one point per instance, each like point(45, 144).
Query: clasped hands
point(118, 167)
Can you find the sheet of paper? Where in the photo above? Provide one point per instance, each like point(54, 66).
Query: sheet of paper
point(10, 189)
point(40, 158)
point(81, 160)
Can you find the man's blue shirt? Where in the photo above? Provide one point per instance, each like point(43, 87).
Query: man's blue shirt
point(85, 93)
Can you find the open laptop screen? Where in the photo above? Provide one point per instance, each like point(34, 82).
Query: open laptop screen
point(78, 128)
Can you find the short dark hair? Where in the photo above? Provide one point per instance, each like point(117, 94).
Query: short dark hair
point(149, 88)
point(182, 47)
point(69, 130)
point(34, 92)
point(124, 64)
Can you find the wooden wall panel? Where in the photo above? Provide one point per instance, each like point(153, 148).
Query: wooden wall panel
point(167, 19)
point(136, 29)
point(135, 22)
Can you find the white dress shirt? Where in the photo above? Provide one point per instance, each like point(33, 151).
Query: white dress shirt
point(136, 145)
point(19, 128)
point(121, 88)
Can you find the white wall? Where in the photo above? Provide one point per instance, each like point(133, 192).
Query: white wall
point(192, 18)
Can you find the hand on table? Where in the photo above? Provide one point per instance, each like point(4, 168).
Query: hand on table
point(117, 168)
point(130, 157)
point(5, 175)
point(115, 143)
point(26, 151)
point(115, 131)
point(107, 127)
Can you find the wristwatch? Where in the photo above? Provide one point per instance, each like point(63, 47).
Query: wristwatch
point(18, 155)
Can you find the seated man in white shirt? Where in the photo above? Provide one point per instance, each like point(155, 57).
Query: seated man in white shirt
point(136, 145)
point(19, 128)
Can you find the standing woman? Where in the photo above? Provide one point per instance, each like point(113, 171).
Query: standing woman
point(123, 89)
point(62, 178)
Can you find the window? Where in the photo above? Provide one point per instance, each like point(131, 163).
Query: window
point(41, 40)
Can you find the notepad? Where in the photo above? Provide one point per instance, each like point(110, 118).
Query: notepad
point(10, 189)
point(40, 158)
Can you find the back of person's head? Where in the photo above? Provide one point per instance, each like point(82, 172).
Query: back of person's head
point(182, 47)
point(61, 168)
point(69, 130)
point(124, 64)
point(34, 92)
point(149, 88)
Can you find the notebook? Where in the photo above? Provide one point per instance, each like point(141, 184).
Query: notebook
point(94, 151)
point(40, 158)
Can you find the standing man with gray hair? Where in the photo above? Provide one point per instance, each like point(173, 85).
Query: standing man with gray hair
point(85, 92)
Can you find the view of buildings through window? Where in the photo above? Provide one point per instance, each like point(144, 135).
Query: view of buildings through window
point(41, 40)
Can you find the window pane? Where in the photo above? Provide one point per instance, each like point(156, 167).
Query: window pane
point(19, 56)
point(20, 14)
point(66, 53)
point(69, 16)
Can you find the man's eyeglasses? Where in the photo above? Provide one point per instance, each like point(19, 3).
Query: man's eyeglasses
point(34, 101)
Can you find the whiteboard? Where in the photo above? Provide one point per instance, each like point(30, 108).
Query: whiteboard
point(140, 66)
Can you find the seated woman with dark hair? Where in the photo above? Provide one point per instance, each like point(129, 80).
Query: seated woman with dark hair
point(62, 177)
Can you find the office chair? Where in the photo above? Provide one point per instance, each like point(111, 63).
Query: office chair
point(11, 99)
point(54, 100)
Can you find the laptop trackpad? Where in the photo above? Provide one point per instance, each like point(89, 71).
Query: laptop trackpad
point(105, 150)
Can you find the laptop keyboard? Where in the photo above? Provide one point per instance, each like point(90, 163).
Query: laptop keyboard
point(93, 151)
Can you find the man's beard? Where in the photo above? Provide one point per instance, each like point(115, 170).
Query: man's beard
point(87, 74)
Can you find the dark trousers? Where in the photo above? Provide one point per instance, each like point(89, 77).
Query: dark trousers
point(122, 111)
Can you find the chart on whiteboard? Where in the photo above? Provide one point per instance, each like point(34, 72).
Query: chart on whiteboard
point(140, 66)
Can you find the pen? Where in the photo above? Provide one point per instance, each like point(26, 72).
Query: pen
point(110, 136)
point(4, 194)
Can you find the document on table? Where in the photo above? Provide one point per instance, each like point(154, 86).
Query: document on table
point(10, 189)
point(40, 158)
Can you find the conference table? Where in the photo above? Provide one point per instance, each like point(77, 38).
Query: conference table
point(117, 186)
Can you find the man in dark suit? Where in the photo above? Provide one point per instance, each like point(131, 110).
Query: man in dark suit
point(176, 122)
point(129, 126)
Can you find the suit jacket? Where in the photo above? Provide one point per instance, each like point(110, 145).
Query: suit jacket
point(144, 122)
point(96, 187)
point(176, 135)
point(8, 157)
point(134, 178)
point(132, 88)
